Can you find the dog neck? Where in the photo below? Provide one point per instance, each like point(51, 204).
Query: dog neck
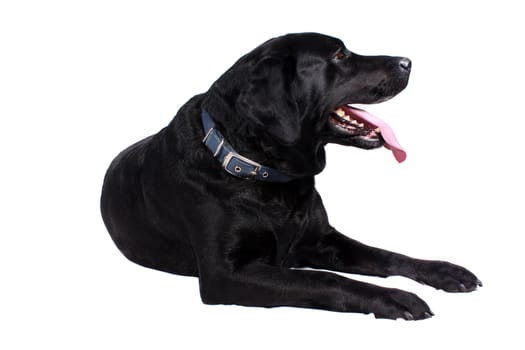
point(300, 161)
point(231, 161)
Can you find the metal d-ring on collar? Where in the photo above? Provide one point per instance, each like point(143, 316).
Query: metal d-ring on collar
point(232, 161)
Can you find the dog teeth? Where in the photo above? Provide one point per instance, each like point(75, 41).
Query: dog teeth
point(340, 112)
point(377, 130)
point(354, 123)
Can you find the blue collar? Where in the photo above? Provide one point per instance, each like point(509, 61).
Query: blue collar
point(232, 161)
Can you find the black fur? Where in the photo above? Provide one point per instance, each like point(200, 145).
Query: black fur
point(169, 205)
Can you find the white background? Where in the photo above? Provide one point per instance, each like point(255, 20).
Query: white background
point(80, 81)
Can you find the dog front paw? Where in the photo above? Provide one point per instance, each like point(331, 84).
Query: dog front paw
point(396, 303)
point(446, 276)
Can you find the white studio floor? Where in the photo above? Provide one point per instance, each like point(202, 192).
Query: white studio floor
point(80, 82)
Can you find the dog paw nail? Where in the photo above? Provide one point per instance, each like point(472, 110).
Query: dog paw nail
point(408, 316)
point(428, 314)
point(479, 283)
point(462, 287)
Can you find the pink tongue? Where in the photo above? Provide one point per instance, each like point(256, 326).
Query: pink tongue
point(386, 131)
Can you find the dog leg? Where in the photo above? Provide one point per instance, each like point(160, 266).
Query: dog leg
point(268, 286)
point(337, 252)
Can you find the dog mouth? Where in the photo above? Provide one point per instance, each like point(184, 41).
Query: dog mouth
point(369, 130)
point(348, 123)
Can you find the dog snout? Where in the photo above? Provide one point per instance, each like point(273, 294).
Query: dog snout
point(405, 63)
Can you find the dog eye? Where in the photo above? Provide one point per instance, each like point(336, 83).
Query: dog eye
point(340, 54)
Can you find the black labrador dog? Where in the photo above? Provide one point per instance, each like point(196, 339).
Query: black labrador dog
point(226, 191)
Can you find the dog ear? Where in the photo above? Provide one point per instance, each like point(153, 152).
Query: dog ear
point(267, 100)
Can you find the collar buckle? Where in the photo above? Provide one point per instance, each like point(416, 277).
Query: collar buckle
point(240, 166)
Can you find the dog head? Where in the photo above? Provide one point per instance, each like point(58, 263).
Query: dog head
point(290, 96)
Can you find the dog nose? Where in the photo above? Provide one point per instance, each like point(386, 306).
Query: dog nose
point(405, 63)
